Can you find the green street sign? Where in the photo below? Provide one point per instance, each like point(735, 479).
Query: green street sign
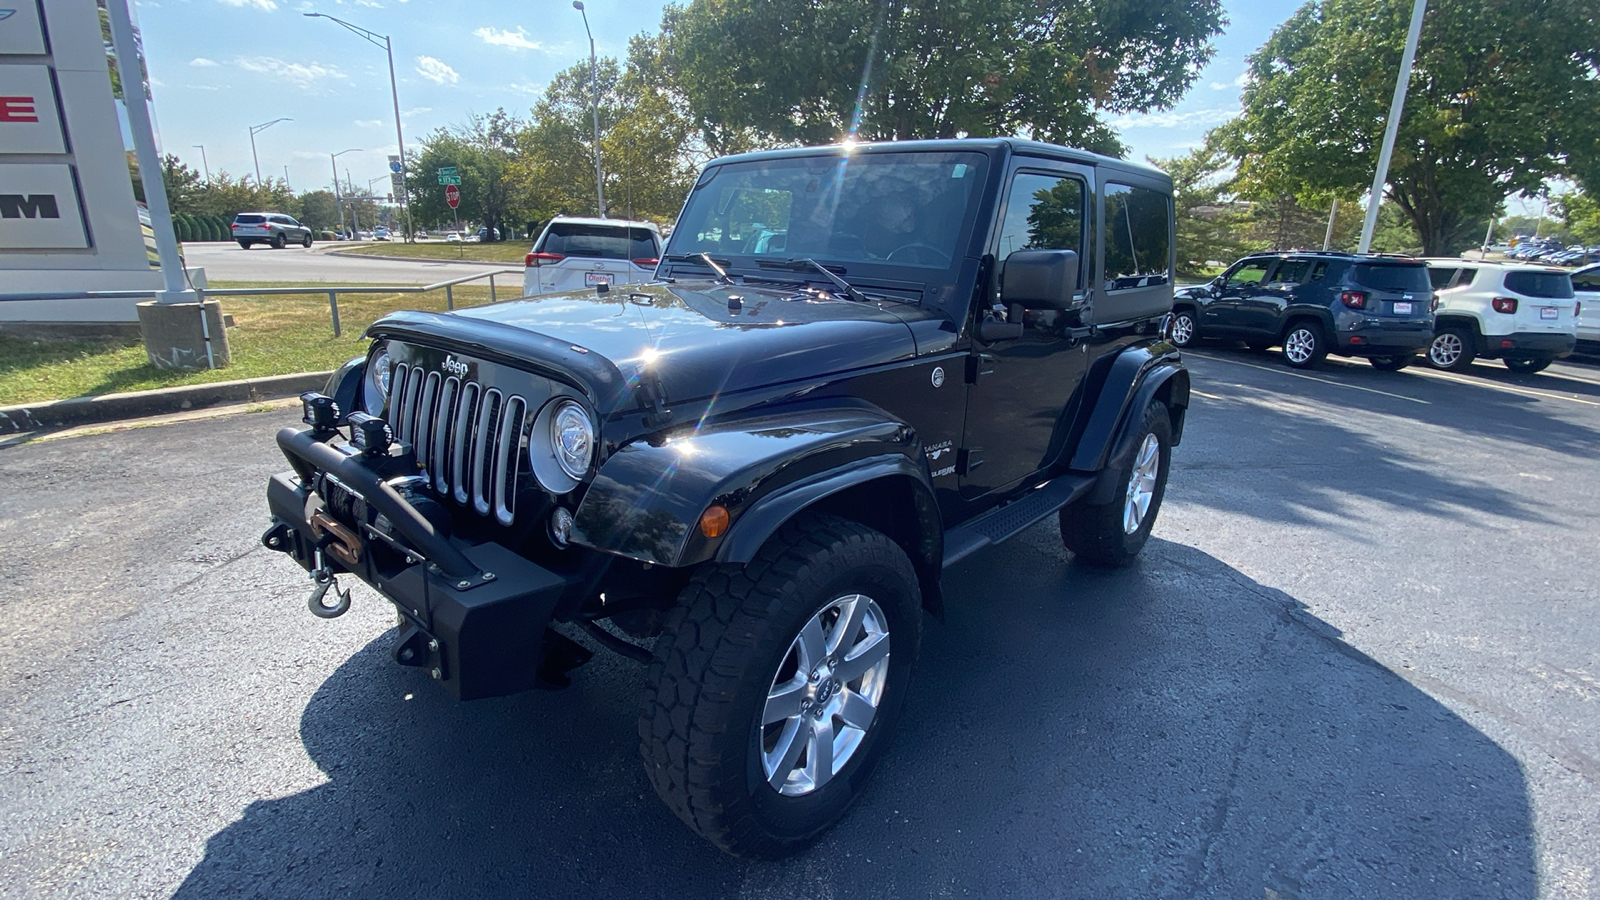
point(450, 179)
point(447, 170)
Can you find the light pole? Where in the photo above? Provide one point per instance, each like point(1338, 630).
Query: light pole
point(338, 200)
point(594, 85)
point(203, 163)
point(1396, 106)
point(373, 37)
point(254, 129)
point(286, 180)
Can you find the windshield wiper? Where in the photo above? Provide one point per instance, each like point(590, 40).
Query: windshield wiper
point(849, 289)
point(703, 259)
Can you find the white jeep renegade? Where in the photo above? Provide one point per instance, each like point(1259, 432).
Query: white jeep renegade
point(1524, 315)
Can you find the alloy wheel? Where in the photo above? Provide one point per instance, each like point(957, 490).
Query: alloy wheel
point(1299, 345)
point(1182, 330)
point(1141, 484)
point(824, 695)
point(1445, 350)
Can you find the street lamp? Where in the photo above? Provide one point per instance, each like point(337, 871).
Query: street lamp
point(203, 163)
point(594, 85)
point(254, 129)
point(373, 38)
point(333, 160)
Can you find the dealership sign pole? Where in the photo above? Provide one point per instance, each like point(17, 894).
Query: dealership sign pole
point(1396, 106)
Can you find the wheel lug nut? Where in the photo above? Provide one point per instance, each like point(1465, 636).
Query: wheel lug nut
point(814, 675)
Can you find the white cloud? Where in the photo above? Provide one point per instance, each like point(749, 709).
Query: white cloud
point(526, 87)
point(301, 75)
point(415, 111)
point(436, 71)
point(1201, 118)
point(202, 63)
point(499, 37)
point(1239, 82)
point(263, 5)
point(368, 123)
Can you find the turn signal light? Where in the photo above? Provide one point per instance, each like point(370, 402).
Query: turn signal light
point(1354, 299)
point(1506, 305)
point(535, 260)
point(714, 522)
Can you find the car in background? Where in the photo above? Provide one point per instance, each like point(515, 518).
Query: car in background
point(1586, 291)
point(276, 230)
point(380, 233)
point(452, 237)
point(483, 235)
point(1312, 304)
point(1524, 315)
point(574, 253)
point(420, 234)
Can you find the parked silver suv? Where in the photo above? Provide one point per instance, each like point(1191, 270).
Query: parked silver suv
point(274, 229)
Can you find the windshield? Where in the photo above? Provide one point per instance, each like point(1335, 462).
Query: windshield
point(905, 209)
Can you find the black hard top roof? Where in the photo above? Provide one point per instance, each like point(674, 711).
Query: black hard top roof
point(1014, 145)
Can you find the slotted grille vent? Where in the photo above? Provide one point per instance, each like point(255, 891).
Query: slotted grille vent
point(467, 438)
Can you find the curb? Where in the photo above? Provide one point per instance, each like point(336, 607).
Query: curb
point(136, 404)
point(420, 259)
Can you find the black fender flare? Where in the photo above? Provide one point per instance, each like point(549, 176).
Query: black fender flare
point(647, 499)
point(1141, 373)
point(1304, 311)
point(344, 386)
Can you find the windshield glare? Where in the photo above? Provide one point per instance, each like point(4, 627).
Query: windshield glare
point(904, 209)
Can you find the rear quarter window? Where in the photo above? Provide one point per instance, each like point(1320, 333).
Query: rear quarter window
point(1549, 285)
point(1393, 277)
point(1135, 234)
point(1441, 277)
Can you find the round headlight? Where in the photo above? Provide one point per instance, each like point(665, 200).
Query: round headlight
point(380, 370)
point(572, 438)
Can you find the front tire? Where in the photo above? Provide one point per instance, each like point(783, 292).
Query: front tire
point(773, 692)
point(1185, 330)
point(279, 241)
point(1304, 344)
point(306, 241)
point(1112, 534)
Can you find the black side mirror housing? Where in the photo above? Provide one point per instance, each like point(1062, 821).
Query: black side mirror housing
point(1041, 279)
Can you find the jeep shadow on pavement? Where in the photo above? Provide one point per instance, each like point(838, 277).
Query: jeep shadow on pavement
point(855, 366)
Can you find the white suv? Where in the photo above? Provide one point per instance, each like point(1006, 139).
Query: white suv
point(573, 254)
point(1586, 285)
point(1523, 315)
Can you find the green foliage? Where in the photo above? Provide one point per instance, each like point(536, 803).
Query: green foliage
point(1209, 222)
point(816, 71)
point(1580, 216)
point(1501, 99)
point(481, 150)
point(318, 210)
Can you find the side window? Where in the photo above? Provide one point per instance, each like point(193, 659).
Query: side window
point(1292, 271)
point(1468, 276)
point(1248, 273)
point(1589, 282)
point(1318, 271)
point(1136, 237)
point(1441, 278)
point(1044, 212)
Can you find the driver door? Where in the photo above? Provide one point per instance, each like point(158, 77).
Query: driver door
point(1019, 390)
point(1227, 314)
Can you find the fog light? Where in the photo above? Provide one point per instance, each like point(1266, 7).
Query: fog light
point(319, 411)
point(561, 527)
point(370, 434)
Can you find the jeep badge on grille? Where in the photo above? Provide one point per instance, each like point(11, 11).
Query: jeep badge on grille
point(454, 366)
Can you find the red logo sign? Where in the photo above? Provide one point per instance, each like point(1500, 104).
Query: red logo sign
point(17, 109)
point(452, 195)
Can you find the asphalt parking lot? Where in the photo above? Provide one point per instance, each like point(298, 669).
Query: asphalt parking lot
point(1359, 659)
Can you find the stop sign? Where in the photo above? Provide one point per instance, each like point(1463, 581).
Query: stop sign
point(452, 195)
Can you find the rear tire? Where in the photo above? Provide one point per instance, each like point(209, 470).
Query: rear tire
point(1185, 329)
point(1528, 366)
point(734, 656)
point(1452, 349)
point(245, 245)
point(1112, 534)
point(1304, 344)
point(1391, 363)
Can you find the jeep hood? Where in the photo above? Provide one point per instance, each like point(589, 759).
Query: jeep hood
point(688, 338)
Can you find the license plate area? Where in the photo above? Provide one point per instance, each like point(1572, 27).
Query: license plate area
point(1402, 308)
point(1548, 312)
point(593, 278)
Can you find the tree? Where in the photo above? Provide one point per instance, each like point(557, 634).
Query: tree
point(482, 150)
point(1580, 216)
point(319, 210)
point(1500, 101)
point(816, 71)
point(1208, 220)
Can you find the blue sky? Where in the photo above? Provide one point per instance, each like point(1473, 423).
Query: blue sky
point(220, 66)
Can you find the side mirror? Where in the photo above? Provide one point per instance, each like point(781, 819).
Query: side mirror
point(1041, 279)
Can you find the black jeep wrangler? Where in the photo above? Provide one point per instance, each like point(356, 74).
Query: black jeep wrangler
point(855, 366)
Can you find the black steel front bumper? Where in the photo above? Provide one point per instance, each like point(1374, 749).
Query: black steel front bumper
point(475, 613)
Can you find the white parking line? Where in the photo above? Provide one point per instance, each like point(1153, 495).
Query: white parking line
point(1353, 387)
point(1496, 386)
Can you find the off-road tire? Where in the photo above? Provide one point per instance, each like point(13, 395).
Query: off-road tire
point(1528, 366)
point(1391, 363)
point(1185, 328)
point(1094, 532)
point(715, 662)
point(1438, 351)
point(1297, 336)
point(279, 241)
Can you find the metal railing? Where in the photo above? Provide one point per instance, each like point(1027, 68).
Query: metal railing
point(332, 292)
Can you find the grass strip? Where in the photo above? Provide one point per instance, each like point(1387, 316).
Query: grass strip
point(498, 252)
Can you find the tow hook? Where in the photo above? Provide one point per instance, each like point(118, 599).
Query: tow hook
point(325, 580)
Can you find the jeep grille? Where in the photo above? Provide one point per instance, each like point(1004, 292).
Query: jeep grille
point(467, 438)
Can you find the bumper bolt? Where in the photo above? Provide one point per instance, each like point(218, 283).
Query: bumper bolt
point(437, 674)
point(488, 576)
point(463, 585)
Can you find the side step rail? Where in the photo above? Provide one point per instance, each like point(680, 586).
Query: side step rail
point(1004, 521)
